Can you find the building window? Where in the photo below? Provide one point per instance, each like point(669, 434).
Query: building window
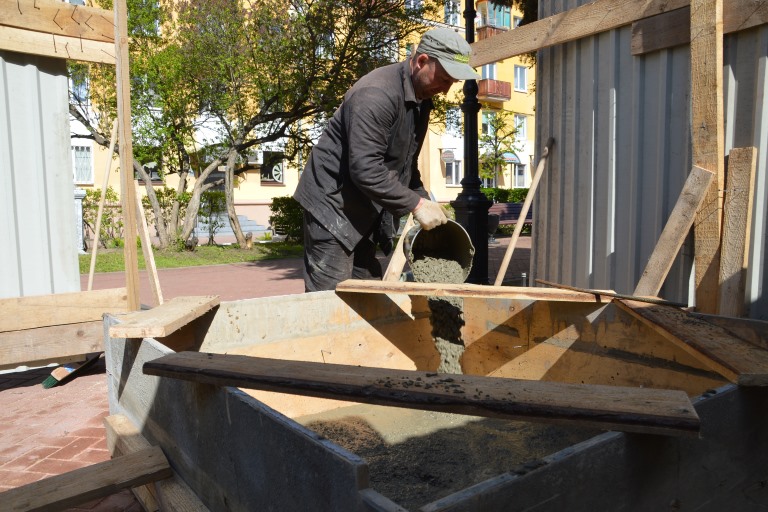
point(488, 182)
point(486, 127)
point(272, 167)
point(453, 121)
point(521, 80)
point(82, 164)
point(516, 21)
point(521, 127)
point(413, 4)
point(453, 173)
point(452, 13)
point(489, 72)
point(518, 178)
point(493, 15)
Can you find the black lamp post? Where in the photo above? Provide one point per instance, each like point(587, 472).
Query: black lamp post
point(471, 205)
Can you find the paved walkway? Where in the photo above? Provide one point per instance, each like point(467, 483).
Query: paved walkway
point(46, 432)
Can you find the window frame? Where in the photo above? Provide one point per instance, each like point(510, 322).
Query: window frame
point(454, 171)
point(521, 74)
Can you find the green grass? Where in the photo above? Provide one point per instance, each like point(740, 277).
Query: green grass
point(111, 260)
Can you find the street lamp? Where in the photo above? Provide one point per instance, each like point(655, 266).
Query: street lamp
point(471, 205)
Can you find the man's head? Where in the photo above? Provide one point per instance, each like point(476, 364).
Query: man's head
point(441, 60)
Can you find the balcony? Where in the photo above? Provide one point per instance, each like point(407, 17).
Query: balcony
point(493, 90)
point(488, 31)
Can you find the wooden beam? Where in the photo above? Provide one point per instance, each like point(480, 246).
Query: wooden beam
point(164, 319)
point(124, 438)
point(60, 308)
point(127, 190)
point(463, 290)
point(735, 359)
point(586, 20)
point(674, 233)
point(59, 19)
point(607, 407)
point(81, 485)
point(737, 229)
point(43, 345)
point(708, 140)
point(673, 28)
point(50, 45)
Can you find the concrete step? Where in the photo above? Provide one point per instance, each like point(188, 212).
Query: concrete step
point(247, 225)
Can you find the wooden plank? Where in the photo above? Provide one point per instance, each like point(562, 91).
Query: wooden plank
point(60, 19)
point(674, 233)
point(60, 308)
point(524, 212)
point(733, 358)
point(586, 20)
point(124, 438)
point(59, 344)
point(89, 483)
point(737, 229)
point(162, 320)
point(673, 28)
point(146, 247)
point(463, 290)
point(102, 200)
point(49, 45)
point(127, 190)
point(708, 143)
point(614, 408)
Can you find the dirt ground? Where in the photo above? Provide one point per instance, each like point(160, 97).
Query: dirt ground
point(417, 457)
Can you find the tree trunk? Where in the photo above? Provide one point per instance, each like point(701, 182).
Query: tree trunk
point(190, 220)
point(229, 194)
point(162, 233)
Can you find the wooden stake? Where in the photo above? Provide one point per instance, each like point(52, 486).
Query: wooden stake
point(146, 247)
point(104, 185)
point(737, 227)
point(526, 206)
point(674, 233)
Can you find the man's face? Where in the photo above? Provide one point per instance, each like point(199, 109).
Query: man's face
point(429, 78)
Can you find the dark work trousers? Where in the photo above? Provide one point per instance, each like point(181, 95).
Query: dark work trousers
point(327, 262)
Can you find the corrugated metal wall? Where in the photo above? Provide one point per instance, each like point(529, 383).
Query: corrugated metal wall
point(622, 152)
point(38, 253)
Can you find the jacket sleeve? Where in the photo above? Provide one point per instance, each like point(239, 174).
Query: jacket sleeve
point(370, 115)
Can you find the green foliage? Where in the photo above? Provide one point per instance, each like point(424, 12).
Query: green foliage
point(213, 204)
point(505, 195)
point(287, 218)
point(167, 197)
point(111, 219)
point(500, 139)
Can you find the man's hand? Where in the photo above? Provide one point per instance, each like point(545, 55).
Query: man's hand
point(429, 214)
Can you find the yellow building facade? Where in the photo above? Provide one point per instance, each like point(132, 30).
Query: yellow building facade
point(506, 85)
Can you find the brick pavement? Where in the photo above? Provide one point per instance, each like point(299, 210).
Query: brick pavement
point(45, 432)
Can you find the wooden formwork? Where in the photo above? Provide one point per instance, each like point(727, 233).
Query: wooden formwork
point(243, 449)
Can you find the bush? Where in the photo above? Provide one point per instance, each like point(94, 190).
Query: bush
point(505, 195)
point(287, 218)
point(111, 218)
point(212, 204)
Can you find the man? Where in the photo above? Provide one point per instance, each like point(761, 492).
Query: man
point(364, 167)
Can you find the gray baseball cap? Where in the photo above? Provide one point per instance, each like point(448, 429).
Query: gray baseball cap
point(451, 50)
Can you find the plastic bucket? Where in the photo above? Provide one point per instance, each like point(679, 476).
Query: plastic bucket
point(449, 241)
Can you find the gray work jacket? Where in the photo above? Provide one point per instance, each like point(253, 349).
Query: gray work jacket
point(366, 160)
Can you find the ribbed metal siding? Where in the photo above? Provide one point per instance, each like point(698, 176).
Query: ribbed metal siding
point(38, 253)
point(622, 153)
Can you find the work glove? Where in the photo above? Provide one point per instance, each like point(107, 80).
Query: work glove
point(429, 214)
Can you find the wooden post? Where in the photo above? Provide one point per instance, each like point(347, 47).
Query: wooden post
point(146, 247)
point(707, 134)
point(128, 191)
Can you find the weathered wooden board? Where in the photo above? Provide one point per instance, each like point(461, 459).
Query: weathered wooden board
point(463, 290)
point(737, 230)
point(124, 438)
point(60, 308)
point(733, 358)
point(57, 344)
point(81, 485)
point(164, 319)
point(666, 412)
point(59, 18)
point(61, 47)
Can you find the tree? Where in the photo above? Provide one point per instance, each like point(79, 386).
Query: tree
point(499, 139)
point(251, 72)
